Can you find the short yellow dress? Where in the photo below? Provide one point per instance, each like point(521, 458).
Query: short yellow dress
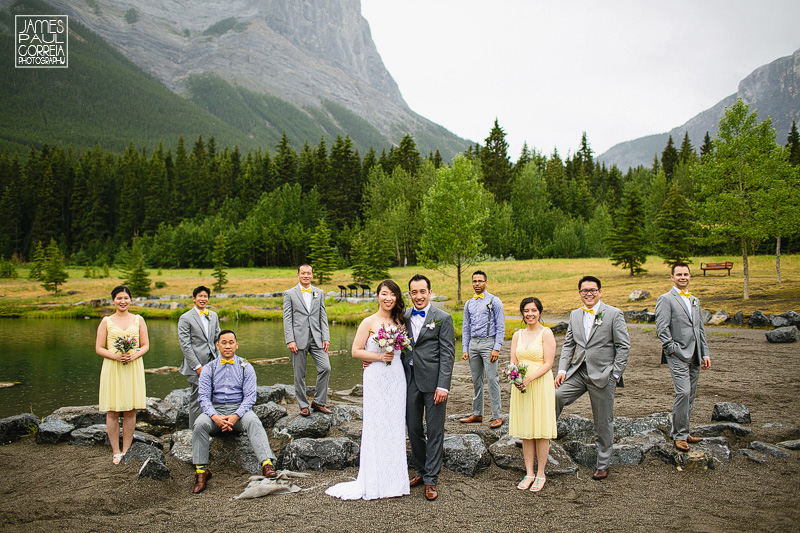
point(121, 385)
point(533, 414)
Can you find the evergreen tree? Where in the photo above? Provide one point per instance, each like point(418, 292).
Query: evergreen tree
point(707, 148)
point(627, 240)
point(134, 273)
point(7, 269)
point(584, 158)
point(669, 159)
point(406, 156)
point(793, 144)
point(496, 165)
point(674, 228)
point(285, 162)
point(305, 168)
point(38, 265)
point(54, 273)
point(342, 191)
point(370, 258)
point(220, 263)
point(322, 256)
point(686, 153)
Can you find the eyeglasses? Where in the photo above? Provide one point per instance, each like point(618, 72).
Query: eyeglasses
point(586, 292)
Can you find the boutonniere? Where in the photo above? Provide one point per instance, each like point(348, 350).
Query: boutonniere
point(243, 362)
point(598, 321)
point(489, 306)
point(315, 294)
point(694, 303)
point(432, 324)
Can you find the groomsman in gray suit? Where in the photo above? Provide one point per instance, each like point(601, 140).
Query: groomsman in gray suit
point(305, 329)
point(683, 346)
point(593, 358)
point(428, 365)
point(198, 331)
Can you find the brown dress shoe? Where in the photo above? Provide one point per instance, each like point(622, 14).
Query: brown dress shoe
point(496, 423)
point(415, 481)
point(600, 473)
point(682, 445)
point(694, 440)
point(431, 493)
point(320, 408)
point(268, 470)
point(200, 481)
point(304, 411)
point(471, 419)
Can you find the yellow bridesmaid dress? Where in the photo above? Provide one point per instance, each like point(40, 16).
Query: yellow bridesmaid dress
point(121, 385)
point(533, 414)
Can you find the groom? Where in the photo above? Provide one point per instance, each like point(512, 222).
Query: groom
point(593, 358)
point(428, 365)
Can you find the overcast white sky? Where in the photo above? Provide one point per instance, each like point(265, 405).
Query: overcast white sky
point(549, 70)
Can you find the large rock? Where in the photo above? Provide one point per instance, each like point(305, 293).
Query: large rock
point(706, 314)
point(141, 452)
point(790, 318)
point(341, 414)
point(561, 327)
point(783, 335)
point(737, 319)
point(694, 460)
point(790, 444)
point(154, 469)
point(731, 412)
point(319, 454)
point(466, 454)
point(631, 315)
point(173, 410)
point(271, 393)
point(53, 430)
point(80, 416)
point(717, 430)
point(638, 294)
point(758, 320)
point(645, 441)
point(626, 427)
point(269, 413)
point(507, 455)
point(768, 449)
point(720, 317)
point(15, 427)
point(575, 428)
point(314, 426)
point(753, 455)
point(181, 445)
point(586, 454)
point(97, 435)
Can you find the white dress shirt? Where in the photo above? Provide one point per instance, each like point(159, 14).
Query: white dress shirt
point(418, 320)
point(307, 295)
point(686, 301)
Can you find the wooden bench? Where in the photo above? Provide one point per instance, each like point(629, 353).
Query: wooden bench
point(723, 265)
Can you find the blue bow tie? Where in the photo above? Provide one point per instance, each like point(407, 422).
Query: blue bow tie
point(414, 312)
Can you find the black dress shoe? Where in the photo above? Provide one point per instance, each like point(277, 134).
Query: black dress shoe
point(600, 473)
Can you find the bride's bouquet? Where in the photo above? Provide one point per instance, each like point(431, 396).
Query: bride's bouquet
point(392, 338)
point(126, 344)
point(514, 374)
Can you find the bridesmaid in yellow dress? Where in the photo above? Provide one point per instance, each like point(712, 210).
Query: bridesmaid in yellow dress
point(122, 376)
point(533, 413)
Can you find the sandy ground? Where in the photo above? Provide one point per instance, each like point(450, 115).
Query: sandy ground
point(74, 488)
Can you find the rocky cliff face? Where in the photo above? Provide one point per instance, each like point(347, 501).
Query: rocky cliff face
point(773, 90)
point(303, 51)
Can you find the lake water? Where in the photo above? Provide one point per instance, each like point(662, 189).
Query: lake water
point(55, 361)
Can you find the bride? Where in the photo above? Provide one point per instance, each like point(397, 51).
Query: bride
point(382, 469)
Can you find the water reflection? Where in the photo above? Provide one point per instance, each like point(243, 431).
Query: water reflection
point(54, 359)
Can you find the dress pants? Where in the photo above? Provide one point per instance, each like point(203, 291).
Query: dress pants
point(602, 399)
point(684, 378)
point(323, 366)
point(194, 406)
point(204, 427)
point(427, 453)
point(480, 353)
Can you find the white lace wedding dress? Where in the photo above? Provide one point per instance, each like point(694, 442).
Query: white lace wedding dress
point(382, 469)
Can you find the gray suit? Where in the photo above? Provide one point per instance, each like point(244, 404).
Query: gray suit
point(683, 346)
point(308, 328)
point(591, 365)
point(433, 355)
point(198, 349)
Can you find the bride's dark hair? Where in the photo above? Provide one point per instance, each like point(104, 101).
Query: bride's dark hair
point(399, 305)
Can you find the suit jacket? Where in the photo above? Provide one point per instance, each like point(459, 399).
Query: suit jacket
point(301, 324)
point(197, 346)
point(433, 351)
point(605, 351)
point(680, 336)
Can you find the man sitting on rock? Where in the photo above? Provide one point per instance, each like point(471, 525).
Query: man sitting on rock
point(227, 393)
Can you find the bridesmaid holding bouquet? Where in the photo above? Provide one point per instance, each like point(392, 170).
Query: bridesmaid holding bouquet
point(122, 341)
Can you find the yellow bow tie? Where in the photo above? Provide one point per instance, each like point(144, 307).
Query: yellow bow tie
point(590, 311)
point(686, 293)
point(226, 361)
point(308, 290)
point(204, 312)
point(478, 296)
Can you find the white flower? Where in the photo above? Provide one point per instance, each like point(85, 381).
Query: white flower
point(431, 325)
point(598, 321)
point(315, 295)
